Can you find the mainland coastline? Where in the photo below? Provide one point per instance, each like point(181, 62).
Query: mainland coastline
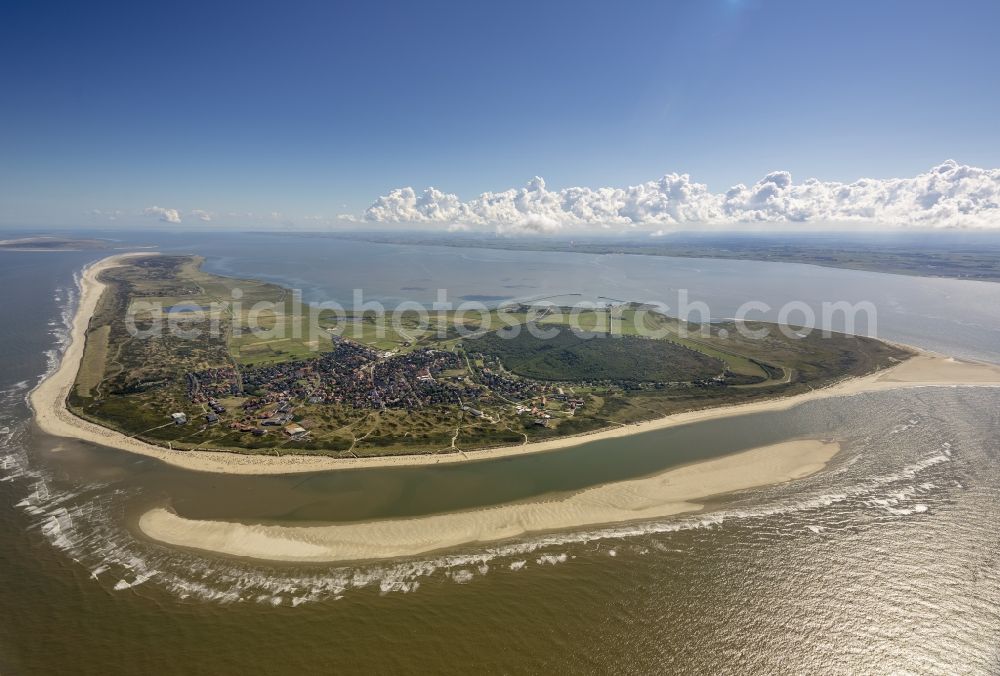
point(48, 401)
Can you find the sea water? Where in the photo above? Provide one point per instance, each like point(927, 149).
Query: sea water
point(885, 561)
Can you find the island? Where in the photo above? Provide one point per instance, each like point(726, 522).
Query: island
point(355, 386)
point(53, 243)
point(114, 391)
point(342, 394)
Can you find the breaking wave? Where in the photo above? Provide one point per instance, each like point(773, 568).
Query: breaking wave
point(88, 524)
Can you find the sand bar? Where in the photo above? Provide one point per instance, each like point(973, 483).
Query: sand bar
point(671, 492)
point(48, 401)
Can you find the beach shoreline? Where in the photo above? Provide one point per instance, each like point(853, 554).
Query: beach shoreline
point(678, 490)
point(52, 416)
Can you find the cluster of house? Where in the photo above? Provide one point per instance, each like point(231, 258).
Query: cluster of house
point(255, 424)
point(570, 402)
point(361, 377)
point(511, 388)
point(212, 384)
point(215, 410)
point(350, 374)
point(538, 416)
point(258, 416)
point(358, 376)
point(537, 408)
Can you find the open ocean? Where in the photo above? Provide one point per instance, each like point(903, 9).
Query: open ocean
point(888, 561)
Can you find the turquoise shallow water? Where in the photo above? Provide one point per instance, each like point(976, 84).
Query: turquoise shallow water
point(887, 561)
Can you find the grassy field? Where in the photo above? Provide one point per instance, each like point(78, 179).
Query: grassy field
point(522, 390)
point(94, 364)
point(570, 355)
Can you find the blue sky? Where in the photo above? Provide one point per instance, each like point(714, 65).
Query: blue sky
point(318, 108)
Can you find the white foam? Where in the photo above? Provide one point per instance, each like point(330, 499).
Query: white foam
point(462, 576)
point(86, 527)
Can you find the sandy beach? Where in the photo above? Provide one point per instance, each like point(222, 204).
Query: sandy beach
point(48, 401)
point(671, 492)
point(674, 491)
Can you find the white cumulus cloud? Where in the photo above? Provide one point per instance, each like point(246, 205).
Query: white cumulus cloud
point(164, 214)
point(533, 224)
point(949, 195)
point(201, 215)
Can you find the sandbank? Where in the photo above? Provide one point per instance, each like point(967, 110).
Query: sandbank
point(674, 491)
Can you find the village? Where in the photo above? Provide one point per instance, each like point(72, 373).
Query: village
point(270, 397)
point(372, 396)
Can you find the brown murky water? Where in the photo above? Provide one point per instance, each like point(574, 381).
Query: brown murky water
point(885, 562)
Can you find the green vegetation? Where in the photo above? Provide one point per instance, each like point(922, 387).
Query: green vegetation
point(357, 386)
point(572, 355)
